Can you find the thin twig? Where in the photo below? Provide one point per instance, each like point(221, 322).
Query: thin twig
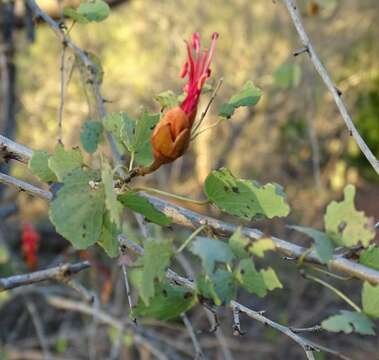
point(122, 250)
point(105, 318)
point(62, 92)
point(336, 94)
point(204, 113)
point(57, 273)
point(39, 329)
point(15, 151)
point(198, 352)
point(335, 290)
point(315, 328)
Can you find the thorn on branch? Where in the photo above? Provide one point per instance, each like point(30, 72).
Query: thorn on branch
point(301, 51)
point(339, 92)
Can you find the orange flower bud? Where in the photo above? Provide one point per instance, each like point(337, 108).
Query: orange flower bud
point(171, 136)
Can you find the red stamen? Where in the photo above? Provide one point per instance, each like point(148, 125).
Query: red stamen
point(201, 81)
point(184, 70)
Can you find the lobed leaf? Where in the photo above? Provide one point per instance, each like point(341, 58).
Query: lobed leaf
point(168, 303)
point(62, 161)
point(210, 252)
point(344, 224)
point(155, 260)
point(38, 165)
point(78, 209)
point(349, 321)
point(248, 96)
point(244, 198)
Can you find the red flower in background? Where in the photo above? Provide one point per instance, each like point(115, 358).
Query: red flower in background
point(171, 136)
point(29, 245)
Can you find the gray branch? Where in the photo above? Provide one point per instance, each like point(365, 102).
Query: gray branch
point(58, 273)
point(336, 94)
point(193, 220)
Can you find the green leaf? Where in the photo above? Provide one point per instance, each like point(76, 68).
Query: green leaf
point(244, 198)
point(38, 164)
point(64, 161)
point(90, 135)
point(211, 251)
point(155, 260)
point(77, 211)
point(252, 280)
point(323, 246)
point(168, 303)
point(224, 286)
point(206, 289)
point(370, 299)
point(94, 10)
point(218, 287)
point(71, 13)
point(344, 224)
point(239, 244)
point(242, 246)
point(167, 99)
point(370, 257)
point(113, 123)
point(136, 136)
point(111, 203)
point(260, 246)
point(271, 279)
point(142, 205)
point(108, 239)
point(248, 96)
point(349, 321)
point(287, 75)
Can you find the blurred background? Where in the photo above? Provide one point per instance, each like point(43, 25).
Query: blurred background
point(294, 136)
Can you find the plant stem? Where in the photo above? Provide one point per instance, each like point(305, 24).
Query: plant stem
point(336, 291)
point(190, 238)
point(173, 196)
point(194, 136)
point(132, 154)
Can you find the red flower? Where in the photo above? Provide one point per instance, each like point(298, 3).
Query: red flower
point(29, 245)
point(171, 136)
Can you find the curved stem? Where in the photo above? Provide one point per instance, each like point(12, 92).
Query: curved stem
point(132, 154)
point(194, 136)
point(326, 272)
point(190, 238)
point(336, 291)
point(173, 196)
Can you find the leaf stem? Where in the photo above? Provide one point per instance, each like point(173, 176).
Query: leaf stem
point(197, 125)
point(326, 272)
point(173, 196)
point(336, 291)
point(132, 154)
point(190, 238)
point(195, 135)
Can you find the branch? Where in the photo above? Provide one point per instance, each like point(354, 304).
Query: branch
point(59, 273)
point(24, 186)
point(103, 317)
point(11, 150)
point(190, 219)
point(308, 346)
point(336, 94)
